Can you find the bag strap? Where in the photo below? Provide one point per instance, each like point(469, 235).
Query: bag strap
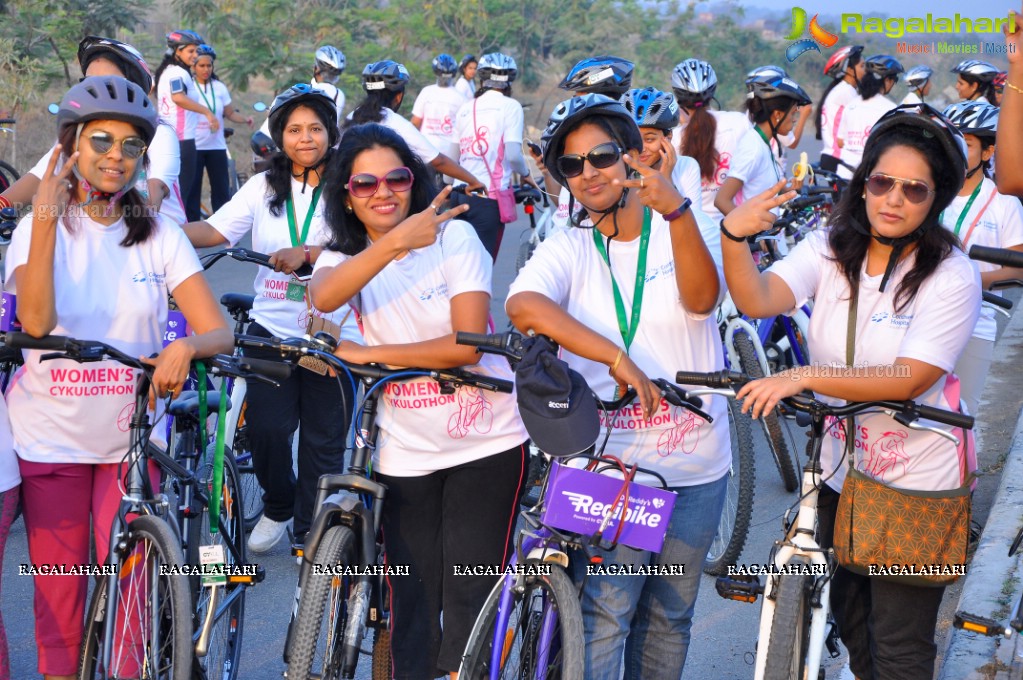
point(850, 357)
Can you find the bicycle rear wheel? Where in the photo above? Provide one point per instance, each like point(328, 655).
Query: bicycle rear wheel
point(323, 610)
point(225, 646)
point(735, 517)
point(525, 640)
point(783, 459)
point(790, 628)
point(152, 607)
point(8, 175)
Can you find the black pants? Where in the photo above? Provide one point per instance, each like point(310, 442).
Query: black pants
point(485, 217)
point(312, 403)
point(213, 162)
point(464, 515)
point(186, 180)
point(887, 627)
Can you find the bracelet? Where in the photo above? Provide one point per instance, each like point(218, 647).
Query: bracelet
point(729, 235)
point(1013, 87)
point(5, 203)
point(306, 249)
point(677, 212)
point(617, 362)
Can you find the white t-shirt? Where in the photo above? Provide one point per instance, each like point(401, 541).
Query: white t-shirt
point(498, 121)
point(416, 140)
point(335, 94)
point(860, 117)
point(999, 224)
point(832, 112)
point(466, 88)
point(912, 98)
point(755, 163)
point(66, 412)
point(176, 79)
point(422, 430)
point(934, 328)
point(164, 154)
point(731, 126)
point(437, 107)
point(215, 97)
point(248, 210)
point(568, 269)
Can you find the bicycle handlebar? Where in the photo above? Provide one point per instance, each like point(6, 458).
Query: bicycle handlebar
point(246, 255)
point(906, 411)
point(996, 300)
point(999, 256)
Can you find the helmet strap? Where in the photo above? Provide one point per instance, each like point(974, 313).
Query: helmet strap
point(897, 245)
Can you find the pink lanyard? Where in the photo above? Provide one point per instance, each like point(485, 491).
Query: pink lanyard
point(977, 218)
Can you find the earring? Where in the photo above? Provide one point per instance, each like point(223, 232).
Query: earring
point(348, 207)
point(864, 195)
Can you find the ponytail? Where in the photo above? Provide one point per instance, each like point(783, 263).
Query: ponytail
point(698, 141)
point(818, 118)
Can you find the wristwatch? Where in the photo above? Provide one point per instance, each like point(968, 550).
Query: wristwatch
point(677, 212)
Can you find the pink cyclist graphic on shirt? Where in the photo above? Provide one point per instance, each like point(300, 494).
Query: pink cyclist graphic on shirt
point(474, 413)
point(887, 458)
point(720, 172)
point(684, 435)
point(124, 417)
point(479, 145)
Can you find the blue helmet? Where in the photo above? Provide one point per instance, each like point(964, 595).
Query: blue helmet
point(606, 75)
point(385, 75)
point(652, 108)
point(444, 65)
point(883, 66)
point(570, 113)
point(205, 50)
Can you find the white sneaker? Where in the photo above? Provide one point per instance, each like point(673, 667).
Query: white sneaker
point(267, 533)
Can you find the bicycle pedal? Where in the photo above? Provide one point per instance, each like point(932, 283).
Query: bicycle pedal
point(739, 588)
point(978, 624)
point(249, 579)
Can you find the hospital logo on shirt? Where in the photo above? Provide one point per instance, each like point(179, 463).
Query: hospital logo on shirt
point(893, 320)
point(151, 278)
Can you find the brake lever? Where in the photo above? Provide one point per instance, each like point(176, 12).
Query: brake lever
point(915, 425)
point(678, 397)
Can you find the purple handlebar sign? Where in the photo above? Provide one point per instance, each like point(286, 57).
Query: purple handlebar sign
point(578, 500)
point(8, 306)
point(176, 328)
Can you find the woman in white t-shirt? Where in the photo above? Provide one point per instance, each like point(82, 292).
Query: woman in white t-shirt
point(433, 112)
point(92, 262)
point(916, 299)
point(980, 215)
point(705, 135)
point(845, 68)
point(773, 105)
point(644, 252)
point(466, 83)
point(283, 210)
point(882, 73)
point(454, 464)
point(918, 79)
point(179, 110)
point(210, 145)
point(975, 80)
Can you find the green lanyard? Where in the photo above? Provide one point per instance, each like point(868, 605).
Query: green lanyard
point(213, 93)
point(628, 328)
point(966, 210)
point(770, 153)
point(297, 240)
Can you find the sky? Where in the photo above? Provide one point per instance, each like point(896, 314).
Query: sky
point(974, 8)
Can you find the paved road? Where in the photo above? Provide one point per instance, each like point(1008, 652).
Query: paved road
point(723, 636)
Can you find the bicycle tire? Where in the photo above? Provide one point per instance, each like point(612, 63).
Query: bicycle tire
point(8, 175)
point(790, 627)
point(157, 540)
point(733, 526)
point(553, 590)
point(324, 598)
point(783, 459)
point(252, 492)
point(382, 655)
point(225, 648)
point(526, 249)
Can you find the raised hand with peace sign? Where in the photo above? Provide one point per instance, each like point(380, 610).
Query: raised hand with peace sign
point(654, 189)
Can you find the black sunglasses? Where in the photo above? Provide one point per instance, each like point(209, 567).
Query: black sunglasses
point(601, 156)
point(131, 147)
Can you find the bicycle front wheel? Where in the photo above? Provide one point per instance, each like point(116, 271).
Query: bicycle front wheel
point(151, 630)
point(323, 610)
point(735, 517)
point(790, 628)
point(542, 637)
point(225, 641)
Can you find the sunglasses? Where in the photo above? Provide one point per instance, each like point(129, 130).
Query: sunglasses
point(601, 156)
point(914, 191)
point(131, 147)
point(365, 185)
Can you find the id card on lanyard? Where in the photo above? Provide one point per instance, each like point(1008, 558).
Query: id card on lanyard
point(296, 289)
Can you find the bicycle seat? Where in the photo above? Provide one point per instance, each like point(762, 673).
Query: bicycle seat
point(187, 403)
point(237, 302)
point(526, 192)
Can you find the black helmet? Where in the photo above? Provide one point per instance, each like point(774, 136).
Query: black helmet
point(385, 75)
point(107, 98)
point(305, 94)
point(883, 66)
point(176, 39)
point(444, 65)
point(496, 70)
point(652, 108)
point(778, 87)
point(130, 59)
point(934, 125)
point(599, 75)
point(569, 113)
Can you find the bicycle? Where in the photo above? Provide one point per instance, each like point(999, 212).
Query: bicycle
point(795, 610)
point(8, 173)
point(529, 196)
point(531, 623)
